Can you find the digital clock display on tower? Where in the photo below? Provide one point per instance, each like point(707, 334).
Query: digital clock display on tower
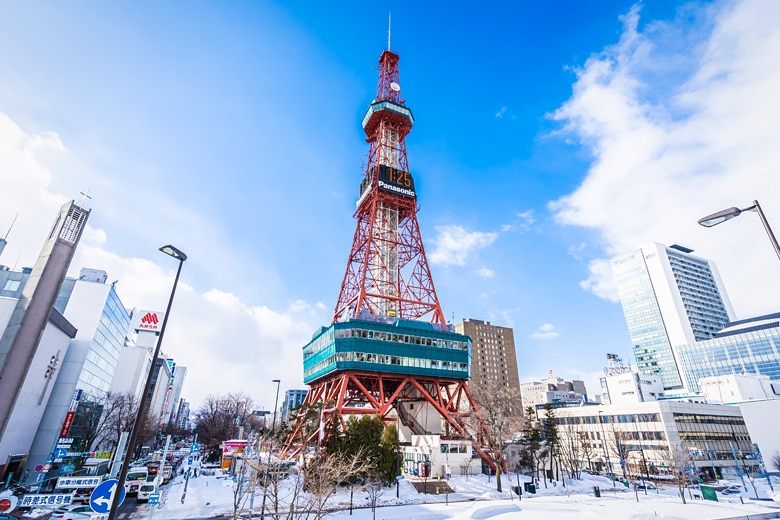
point(396, 181)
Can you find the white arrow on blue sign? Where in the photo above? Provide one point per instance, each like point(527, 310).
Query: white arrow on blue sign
point(60, 453)
point(103, 495)
point(194, 448)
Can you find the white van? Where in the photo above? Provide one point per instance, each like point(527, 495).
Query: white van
point(167, 473)
point(147, 488)
point(135, 477)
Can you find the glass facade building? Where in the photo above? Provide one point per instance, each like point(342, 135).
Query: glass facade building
point(749, 346)
point(396, 347)
point(669, 298)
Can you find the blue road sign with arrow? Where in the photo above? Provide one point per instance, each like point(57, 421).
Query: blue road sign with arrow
point(60, 453)
point(101, 498)
point(154, 498)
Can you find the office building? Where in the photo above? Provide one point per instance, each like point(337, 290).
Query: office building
point(553, 390)
point(493, 356)
point(21, 341)
point(737, 388)
point(292, 399)
point(650, 438)
point(750, 346)
point(622, 385)
point(102, 324)
point(670, 298)
point(35, 391)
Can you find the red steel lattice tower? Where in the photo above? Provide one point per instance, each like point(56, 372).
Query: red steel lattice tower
point(373, 359)
point(387, 272)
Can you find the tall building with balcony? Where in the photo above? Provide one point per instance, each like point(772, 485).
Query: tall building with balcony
point(670, 298)
point(493, 356)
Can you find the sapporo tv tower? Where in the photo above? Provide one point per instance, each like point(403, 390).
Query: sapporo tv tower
point(388, 351)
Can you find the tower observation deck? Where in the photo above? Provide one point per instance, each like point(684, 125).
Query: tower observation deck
point(389, 351)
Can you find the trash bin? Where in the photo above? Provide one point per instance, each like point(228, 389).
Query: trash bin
point(596, 492)
point(529, 487)
point(517, 490)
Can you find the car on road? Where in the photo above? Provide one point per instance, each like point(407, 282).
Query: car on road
point(74, 512)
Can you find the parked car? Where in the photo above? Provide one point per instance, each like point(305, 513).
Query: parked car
point(81, 495)
point(74, 512)
point(732, 490)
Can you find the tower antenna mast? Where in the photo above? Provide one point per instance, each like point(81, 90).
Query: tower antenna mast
point(389, 20)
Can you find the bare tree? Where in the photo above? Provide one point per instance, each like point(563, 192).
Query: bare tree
point(615, 441)
point(588, 451)
point(119, 413)
point(570, 449)
point(324, 474)
point(676, 461)
point(374, 490)
point(220, 418)
point(500, 410)
point(775, 461)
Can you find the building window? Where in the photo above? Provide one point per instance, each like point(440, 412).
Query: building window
point(11, 285)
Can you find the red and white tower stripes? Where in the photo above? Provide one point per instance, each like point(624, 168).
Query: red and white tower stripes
point(387, 272)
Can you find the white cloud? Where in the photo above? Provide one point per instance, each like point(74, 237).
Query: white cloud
point(546, 331)
point(486, 273)
point(601, 282)
point(501, 112)
point(682, 121)
point(217, 336)
point(453, 245)
point(523, 222)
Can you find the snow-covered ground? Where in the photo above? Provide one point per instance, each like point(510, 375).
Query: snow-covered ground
point(475, 497)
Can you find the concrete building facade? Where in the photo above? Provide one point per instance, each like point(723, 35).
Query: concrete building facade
point(24, 329)
point(552, 390)
point(654, 437)
point(94, 308)
point(493, 355)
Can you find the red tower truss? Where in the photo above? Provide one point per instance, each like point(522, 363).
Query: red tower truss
point(388, 346)
point(387, 272)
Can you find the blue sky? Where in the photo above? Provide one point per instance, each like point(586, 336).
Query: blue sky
point(549, 136)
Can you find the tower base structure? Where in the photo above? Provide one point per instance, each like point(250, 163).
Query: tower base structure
point(409, 372)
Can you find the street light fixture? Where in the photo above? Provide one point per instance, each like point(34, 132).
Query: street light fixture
point(142, 406)
point(730, 213)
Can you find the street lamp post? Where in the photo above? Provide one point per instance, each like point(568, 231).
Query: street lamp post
point(142, 405)
point(276, 403)
point(268, 466)
point(730, 213)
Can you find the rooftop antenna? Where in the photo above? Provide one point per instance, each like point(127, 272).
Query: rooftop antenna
point(3, 240)
point(389, 19)
point(86, 196)
point(11, 226)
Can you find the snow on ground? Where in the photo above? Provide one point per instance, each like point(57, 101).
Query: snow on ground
point(476, 498)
